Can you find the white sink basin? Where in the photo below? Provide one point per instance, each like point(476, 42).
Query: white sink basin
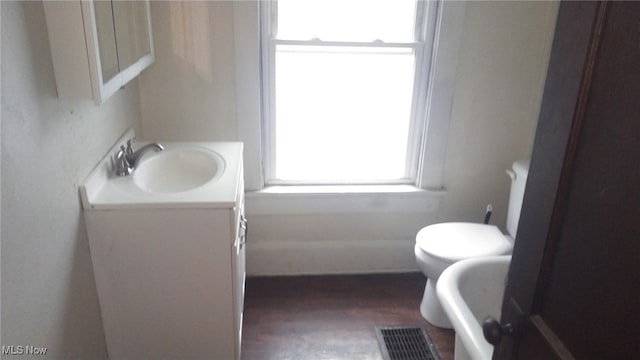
point(184, 175)
point(178, 170)
point(469, 291)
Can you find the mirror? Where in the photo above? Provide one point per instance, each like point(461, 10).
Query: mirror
point(132, 31)
point(123, 34)
point(106, 39)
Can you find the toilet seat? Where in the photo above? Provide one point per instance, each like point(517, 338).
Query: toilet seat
point(451, 242)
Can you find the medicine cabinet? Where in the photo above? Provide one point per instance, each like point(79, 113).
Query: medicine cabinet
point(98, 46)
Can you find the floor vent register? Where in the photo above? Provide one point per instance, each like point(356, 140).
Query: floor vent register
point(406, 343)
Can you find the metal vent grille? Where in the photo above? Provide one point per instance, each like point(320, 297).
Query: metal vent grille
point(406, 343)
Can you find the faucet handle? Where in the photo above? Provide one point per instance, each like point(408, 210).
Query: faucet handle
point(130, 142)
point(122, 166)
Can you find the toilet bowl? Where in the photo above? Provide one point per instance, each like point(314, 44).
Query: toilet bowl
point(440, 245)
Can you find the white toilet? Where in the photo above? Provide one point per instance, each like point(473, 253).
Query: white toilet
point(440, 245)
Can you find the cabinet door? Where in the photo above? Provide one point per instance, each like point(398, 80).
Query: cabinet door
point(132, 31)
point(98, 46)
point(106, 40)
point(120, 33)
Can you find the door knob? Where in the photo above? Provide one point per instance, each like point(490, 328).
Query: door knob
point(493, 331)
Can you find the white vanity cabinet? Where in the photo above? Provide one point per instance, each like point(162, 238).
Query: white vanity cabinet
point(98, 46)
point(170, 273)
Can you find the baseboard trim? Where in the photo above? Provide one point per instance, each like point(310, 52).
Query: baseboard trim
point(272, 258)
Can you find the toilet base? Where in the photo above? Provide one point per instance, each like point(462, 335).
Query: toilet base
point(431, 309)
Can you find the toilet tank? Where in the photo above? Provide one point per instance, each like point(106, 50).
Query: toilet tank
point(518, 181)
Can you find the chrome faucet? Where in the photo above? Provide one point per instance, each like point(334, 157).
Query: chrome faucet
point(127, 159)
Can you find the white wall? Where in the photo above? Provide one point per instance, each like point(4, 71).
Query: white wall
point(49, 146)
point(190, 93)
point(501, 76)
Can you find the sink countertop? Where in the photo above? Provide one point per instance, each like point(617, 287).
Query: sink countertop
point(103, 190)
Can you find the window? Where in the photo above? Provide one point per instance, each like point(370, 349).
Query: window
point(344, 90)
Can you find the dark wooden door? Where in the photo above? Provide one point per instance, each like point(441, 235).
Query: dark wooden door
point(574, 284)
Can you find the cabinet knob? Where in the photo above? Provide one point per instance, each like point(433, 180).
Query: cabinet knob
point(243, 231)
point(243, 223)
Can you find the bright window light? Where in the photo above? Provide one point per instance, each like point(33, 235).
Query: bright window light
point(342, 114)
point(341, 91)
point(347, 20)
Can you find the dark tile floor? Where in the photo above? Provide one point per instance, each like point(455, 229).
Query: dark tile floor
point(331, 317)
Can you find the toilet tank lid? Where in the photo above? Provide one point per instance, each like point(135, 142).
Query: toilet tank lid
point(452, 242)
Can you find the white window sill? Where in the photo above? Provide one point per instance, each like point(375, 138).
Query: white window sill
point(339, 199)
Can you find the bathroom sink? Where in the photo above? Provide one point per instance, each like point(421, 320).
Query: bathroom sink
point(184, 175)
point(178, 170)
point(469, 291)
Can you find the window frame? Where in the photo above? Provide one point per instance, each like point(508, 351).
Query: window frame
point(425, 29)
